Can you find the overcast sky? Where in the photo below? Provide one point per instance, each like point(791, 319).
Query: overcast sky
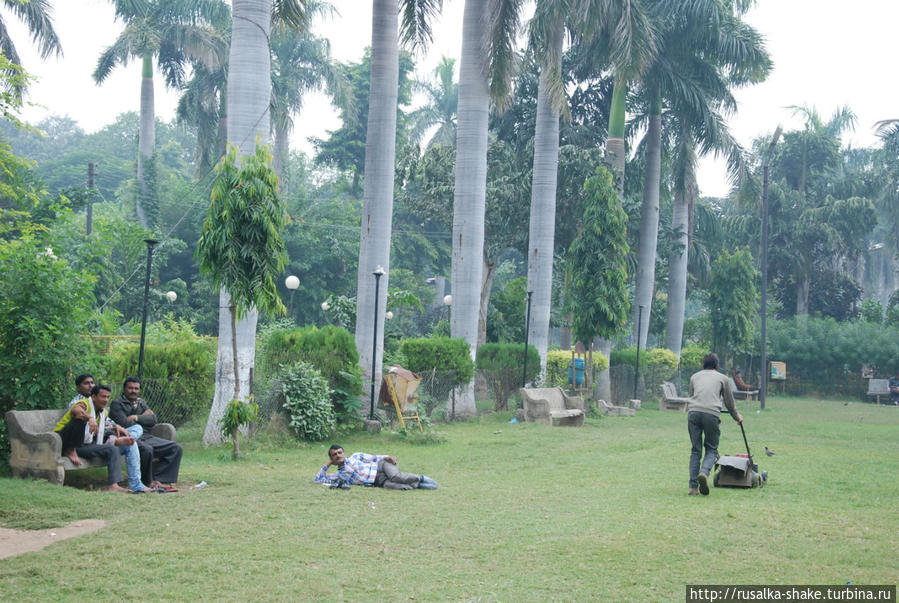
point(827, 53)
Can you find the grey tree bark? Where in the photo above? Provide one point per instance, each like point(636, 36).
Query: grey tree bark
point(677, 271)
point(541, 233)
point(377, 202)
point(470, 187)
point(649, 231)
point(249, 92)
point(146, 138)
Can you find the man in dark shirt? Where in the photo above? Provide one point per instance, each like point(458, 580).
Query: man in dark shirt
point(129, 409)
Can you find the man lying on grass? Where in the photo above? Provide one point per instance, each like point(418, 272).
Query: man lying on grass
point(369, 470)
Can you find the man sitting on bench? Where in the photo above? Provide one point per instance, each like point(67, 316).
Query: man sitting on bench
point(742, 385)
point(894, 389)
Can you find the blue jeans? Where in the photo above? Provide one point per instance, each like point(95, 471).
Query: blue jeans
point(702, 424)
point(132, 459)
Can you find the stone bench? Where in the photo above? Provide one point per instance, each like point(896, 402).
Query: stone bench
point(36, 450)
point(551, 404)
point(878, 388)
point(670, 400)
point(742, 394)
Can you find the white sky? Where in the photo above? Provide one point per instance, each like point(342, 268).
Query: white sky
point(827, 53)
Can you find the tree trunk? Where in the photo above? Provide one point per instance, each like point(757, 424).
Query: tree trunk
point(248, 96)
point(649, 227)
point(146, 141)
point(802, 287)
point(235, 435)
point(281, 155)
point(480, 385)
point(677, 276)
point(377, 200)
point(615, 151)
point(541, 235)
point(604, 381)
point(470, 187)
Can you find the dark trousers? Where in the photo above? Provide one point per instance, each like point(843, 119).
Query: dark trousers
point(72, 435)
point(389, 476)
point(167, 455)
point(705, 429)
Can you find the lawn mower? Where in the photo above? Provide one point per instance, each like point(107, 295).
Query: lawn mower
point(739, 470)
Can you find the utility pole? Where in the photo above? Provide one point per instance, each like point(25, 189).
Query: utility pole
point(90, 198)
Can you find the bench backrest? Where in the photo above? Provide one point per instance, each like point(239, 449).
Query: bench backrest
point(878, 387)
point(34, 421)
point(668, 390)
point(553, 395)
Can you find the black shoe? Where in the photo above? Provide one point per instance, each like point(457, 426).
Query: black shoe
point(703, 484)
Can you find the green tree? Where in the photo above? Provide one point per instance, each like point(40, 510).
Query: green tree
point(732, 300)
point(596, 272)
point(38, 18)
point(241, 246)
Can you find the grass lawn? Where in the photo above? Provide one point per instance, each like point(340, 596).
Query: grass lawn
point(524, 512)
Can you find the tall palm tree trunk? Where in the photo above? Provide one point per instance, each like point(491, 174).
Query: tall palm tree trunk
point(471, 186)
point(541, 234)
point(146, 142)
point(685, 189)
point(377, 202)
point(649, 226)
point(249, 94)
point(281, 154)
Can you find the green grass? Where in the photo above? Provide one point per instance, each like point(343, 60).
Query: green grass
point(530, 513)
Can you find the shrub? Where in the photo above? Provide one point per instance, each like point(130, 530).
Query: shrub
point(558, 361)
point(331, 350)
point(178, 378)
point(442, 354)
point(305, 394)
point(661, 364)
point(502, 366)
point(691, 356)
point(871, 311)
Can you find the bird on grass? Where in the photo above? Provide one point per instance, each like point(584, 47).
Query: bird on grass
point(768, 452)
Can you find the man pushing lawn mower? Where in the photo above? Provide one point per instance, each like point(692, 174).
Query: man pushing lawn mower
point(708, 388)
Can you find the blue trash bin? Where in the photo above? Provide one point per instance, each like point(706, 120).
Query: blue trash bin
point(579, 369)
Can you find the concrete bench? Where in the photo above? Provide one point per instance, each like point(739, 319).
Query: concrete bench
point(670, 400)
point(878, 388)
point(548, 404)
point(614, 411)
point(742, 394)
point(36, 450)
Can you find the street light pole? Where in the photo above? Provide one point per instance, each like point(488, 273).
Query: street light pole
point(527, 329)
point(143, 326)
point(763, 256)
point(378, 273)
point(637, 363)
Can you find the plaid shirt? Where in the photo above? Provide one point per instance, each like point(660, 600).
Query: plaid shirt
point(359, 469)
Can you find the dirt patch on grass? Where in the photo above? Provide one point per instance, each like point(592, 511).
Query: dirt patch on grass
point(16, 542)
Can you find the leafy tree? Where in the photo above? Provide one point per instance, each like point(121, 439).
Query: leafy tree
point(241, 246)
point(596, 273)
point(871, 311)
point(732, 299)
point(38, 18)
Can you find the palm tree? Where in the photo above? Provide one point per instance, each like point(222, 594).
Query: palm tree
point(249, 99)
point(38, 17)
point(174, 32)
point(703, 49)
point(440, 110)
point(484, 71)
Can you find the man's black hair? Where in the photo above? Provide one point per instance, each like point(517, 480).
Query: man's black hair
point(710, 361)
point(334, 447)
point(96, 389)
point(130, 380)
point(80, 378)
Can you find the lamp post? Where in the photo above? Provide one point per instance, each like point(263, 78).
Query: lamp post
point(527, 329)
point(763, 382)
point(637, 362)
point(143, 326)
point(378, 273)
point(292, 283)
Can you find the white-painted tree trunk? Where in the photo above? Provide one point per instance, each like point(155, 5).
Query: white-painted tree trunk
point(541, 234)
point(471, 186)
point(377, 202)
point(249, 93)
point(649, 231)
